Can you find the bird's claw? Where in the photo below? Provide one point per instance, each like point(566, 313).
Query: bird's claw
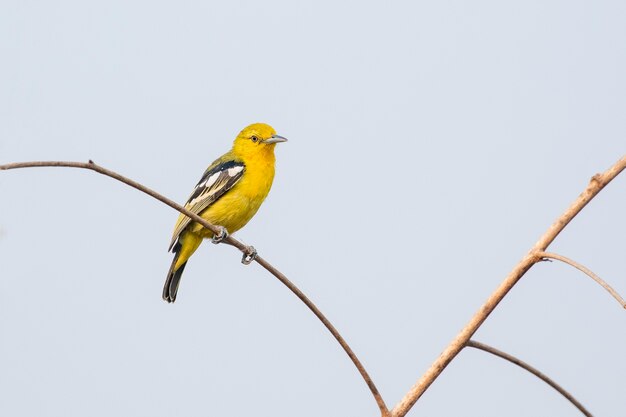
point(249, 255)
point(223, 234)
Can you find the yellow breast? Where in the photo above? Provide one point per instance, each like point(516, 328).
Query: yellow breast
point(235, 208)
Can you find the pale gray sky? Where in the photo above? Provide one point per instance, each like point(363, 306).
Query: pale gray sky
point(431, 144)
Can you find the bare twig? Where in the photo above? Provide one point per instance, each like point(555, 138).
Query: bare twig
point(481, 346)
point(585, 270)
point(536, 254)
point(597, 183)
point(229, 240)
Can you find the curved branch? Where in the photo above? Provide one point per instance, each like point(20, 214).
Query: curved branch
point(532, 370)
point(585, 270)
point(229, 240)
point(597, 183)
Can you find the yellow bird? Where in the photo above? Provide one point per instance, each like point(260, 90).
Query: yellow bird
point(228, 195)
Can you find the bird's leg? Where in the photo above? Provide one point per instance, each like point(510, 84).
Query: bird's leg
point(223, 234)
point(249, 255)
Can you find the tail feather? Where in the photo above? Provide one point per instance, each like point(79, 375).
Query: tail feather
point(170, 289)
point(171, 284)
point(183, 249)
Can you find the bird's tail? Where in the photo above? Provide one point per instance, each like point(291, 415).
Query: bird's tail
point(183, 249)
point(173, 277)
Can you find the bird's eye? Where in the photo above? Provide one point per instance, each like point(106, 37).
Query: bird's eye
point(254, 139)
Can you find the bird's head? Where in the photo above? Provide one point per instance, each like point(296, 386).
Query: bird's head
point(256, 139)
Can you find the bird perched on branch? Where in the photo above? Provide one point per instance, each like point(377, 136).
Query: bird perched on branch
point(229, 193)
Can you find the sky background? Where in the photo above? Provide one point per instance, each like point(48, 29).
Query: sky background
point(430, 145)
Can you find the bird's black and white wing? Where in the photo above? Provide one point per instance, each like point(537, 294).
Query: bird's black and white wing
point(220, 177)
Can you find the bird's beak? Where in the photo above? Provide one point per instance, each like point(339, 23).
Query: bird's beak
point(276, 139)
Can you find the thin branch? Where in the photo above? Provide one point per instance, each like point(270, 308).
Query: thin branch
point(597, 183)
point(229, 240)
point(532, 370)
point(585, 270)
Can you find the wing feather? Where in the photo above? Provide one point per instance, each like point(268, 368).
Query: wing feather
point(220, 177)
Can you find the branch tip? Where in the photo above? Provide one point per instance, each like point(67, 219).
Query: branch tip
point(588, 272)
point(527, 367)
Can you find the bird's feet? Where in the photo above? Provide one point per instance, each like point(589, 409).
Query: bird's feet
point(249, 255)
point(223, 234)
